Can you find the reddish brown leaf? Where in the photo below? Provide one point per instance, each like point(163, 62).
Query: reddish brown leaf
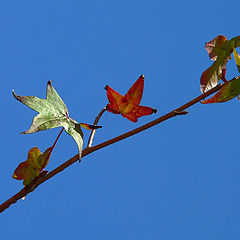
point(128, 105)
point(33, 166)
point(20, 171)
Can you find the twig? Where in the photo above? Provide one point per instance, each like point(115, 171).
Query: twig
point(90, 140)
point(88, 150)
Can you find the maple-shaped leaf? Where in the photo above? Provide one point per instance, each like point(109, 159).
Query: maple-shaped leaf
point(226, 93)
point(237, 59)
point(52, 113)
point(128, 105)
point(219, 50)
point(33, 166)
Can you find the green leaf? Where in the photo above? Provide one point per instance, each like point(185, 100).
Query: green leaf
point(52, 113)
point(237, 59)
point(226, 93)
point(219, 50)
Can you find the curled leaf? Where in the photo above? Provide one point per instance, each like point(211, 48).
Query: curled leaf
point(128, 105)
point(226, 93)
point(33, 166)
point(219, 50)
point(213, 47)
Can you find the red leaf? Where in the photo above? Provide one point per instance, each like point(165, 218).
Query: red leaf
point(128, 105)
point(20, 171)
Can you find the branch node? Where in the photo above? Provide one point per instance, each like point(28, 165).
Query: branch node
point(180, 113)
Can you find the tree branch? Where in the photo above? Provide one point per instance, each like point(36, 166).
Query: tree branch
point(41, 179)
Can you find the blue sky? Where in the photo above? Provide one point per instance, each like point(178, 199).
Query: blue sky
point(178, 180)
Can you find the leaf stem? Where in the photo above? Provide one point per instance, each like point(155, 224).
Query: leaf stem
point(49, 154)
point(90, 140)
point(178, 111)
point(54, 144)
